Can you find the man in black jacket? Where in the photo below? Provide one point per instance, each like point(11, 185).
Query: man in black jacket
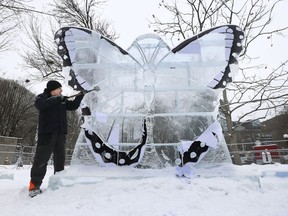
point(52, 129)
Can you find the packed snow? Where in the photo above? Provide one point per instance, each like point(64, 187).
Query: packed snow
point(215, 190)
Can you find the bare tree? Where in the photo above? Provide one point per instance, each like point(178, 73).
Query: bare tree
point(267, 94)
point(189, 17)
point(18, 116)
point(41, 56)
point(10, 11)
point(277, 126)
point(83, 14)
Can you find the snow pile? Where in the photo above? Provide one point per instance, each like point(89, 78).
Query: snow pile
point(224, 190)
point(5, 175)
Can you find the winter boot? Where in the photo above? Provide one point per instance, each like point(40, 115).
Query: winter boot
point(34, 190)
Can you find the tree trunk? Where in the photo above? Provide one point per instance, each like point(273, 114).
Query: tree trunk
point(230, 129)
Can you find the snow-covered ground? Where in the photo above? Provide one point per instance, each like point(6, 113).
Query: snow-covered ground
point(226, 190)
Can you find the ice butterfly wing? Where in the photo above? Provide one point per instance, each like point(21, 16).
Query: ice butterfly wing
point(94, 59)
point(209, 58)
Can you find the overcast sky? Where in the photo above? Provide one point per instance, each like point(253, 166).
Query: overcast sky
point(130, 19)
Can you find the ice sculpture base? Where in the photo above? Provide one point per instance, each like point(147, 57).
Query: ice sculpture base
point(93, 175)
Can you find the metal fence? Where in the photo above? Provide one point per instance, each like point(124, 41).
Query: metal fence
point(273, 151)
point(23, 154)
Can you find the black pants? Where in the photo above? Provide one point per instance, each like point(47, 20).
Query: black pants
point(46, 145)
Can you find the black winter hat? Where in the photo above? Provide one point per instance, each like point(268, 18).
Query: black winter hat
point(52, 85)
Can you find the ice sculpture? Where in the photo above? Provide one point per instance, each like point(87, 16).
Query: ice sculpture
point(155, 105)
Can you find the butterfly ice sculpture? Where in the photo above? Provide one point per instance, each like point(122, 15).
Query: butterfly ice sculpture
point(163, 97)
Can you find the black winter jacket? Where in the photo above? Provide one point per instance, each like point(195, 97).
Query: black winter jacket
point(52, 112)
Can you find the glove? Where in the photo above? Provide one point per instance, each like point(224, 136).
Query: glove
point(63, 99)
